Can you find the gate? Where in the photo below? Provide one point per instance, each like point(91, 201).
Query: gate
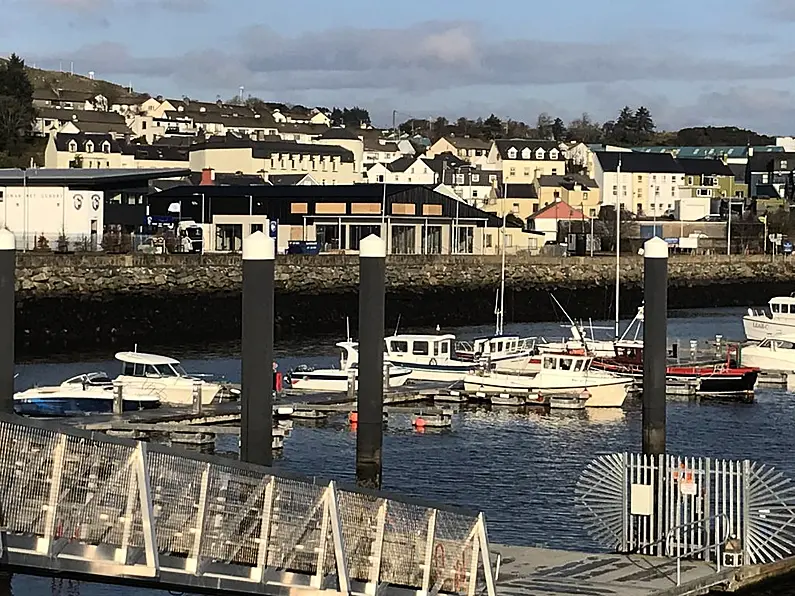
point(682, 507)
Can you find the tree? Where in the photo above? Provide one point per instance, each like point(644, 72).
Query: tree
point(584, 129)
point(16, 104)
point(110, 91)
point(492, 127)
point(559, 132)
point(643, 125)
point(544, 125)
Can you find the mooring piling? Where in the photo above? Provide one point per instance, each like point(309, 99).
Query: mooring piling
point(655, 341)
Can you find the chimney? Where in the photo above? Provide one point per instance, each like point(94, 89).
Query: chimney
point(208, 177)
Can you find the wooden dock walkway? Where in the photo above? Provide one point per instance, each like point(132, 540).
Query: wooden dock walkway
point(528, 571)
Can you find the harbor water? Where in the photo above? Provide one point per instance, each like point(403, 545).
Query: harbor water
point(519, 467)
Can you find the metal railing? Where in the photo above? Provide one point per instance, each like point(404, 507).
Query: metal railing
point(695, 550)
point(88, 504)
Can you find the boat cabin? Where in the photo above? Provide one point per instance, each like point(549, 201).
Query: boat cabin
point(493, 347)
point(565, 362)
point(783, 307)
point(150, 366)
point(439, 347)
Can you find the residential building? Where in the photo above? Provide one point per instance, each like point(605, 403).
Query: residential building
point(300, 133)
point(141, 156)
point(283, 114)
point(574, 189)
point(378, 150)
point(646, 184)
point(474, 185)
point(45, 207)
point(328, 164)
point(470, 149)
point(523, 160)
point(417, 220)
point(83, 151)
point(404, 170)
point(548, 219)
point(769, 173)
point(347, 139)
point(580, 156)
point(710, 178)
point(53, 120)
point(69, 100)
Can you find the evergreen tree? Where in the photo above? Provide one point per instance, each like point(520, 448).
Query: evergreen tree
point(16, 103)
point(492, 127)
point(644, 125)
point(559, 132)
point(544, 126)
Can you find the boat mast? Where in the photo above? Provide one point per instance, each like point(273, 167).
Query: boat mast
point(618, 237)
point(500, 310)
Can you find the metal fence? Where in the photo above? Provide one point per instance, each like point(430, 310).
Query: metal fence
point(97, 505)
point(700, 508)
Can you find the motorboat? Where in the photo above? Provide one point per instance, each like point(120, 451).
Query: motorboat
point(773, 354)
point(558, 374)
point(164, 377)
point(441, 358)
point(714, 378)
point(82, 395)
point(779, 322)
point(304, 378)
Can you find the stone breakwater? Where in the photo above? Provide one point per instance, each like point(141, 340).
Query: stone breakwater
point(68, 302)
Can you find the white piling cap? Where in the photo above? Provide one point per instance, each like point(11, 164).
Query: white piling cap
point(259, 247)
point(7, 240)
point(655, 248)
point(372, 247)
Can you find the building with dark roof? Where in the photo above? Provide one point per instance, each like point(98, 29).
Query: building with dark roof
point(776, 169)
point(574, 189)
point(710, 178)
point(470, 149)
point(50, 119)
point(328, 164)
point(522, 161)
point(417, 220)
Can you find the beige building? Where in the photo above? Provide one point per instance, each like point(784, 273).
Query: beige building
point(475, 151)
point(576, 190)
point(83, 150)
point(523, 160)
point(328, 164)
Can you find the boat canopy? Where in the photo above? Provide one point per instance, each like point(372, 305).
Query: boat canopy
point(143, 358)
point(782, 305)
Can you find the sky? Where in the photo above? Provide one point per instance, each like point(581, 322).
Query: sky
point(691, 62)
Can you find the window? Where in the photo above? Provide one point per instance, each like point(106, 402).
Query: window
point(527, 171)
point(256, 228)
point(474, 193)
point(106, 147)
point(419, 348)
point(550, 363)
point(556, 194)
point(1, 196)
point(328, 237)
point(512, 171)
point(475, 177)
point(784, 309)
point(783, 164)
point(488, 241)
point(512, 153)
point(640, 207)
point(709, 181)
point(654, 179)
point(615, 189)
point(356, 233)
point(492, 178)
point(526, 153)
point(775, 308)
point(554, 171)
point(445, 347)
point(592, 213)
point(703, 192)
point(72, 146)
point(516, 206)
point(553, 154)
point(690, 181)
point(540, 153)
point(459, 178)
point(565, 364)
point(640, 178)
point(399, 347)
point(585, 196)
point(535, 207)
point(89, 147)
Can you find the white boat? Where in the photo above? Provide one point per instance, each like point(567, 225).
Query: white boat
point(165, 378)
point(85, 394)
point(771, 354)
point(336, 379)
point(569, 401)
point(440, 358)
point(780, 322)
point(559, 373)
point(509, 399)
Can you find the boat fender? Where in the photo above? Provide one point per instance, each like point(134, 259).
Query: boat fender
point(419, 422)
point(353, 417)
point(432, 362)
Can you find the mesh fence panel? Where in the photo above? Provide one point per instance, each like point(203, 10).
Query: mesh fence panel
point(452, 551)
point(405, 538)
point(98, 503)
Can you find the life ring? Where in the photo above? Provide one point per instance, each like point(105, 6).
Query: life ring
point(432, 362)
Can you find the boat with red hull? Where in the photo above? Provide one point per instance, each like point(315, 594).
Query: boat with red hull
point(723, 378)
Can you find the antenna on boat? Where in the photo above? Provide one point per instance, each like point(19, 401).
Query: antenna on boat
point(135, 348)
point(348, 328)
point(498, 312)
point(579, 335)
point(397, 325)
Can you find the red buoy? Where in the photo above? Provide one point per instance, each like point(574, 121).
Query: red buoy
point(353, 417)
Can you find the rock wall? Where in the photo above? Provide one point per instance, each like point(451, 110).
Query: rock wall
point(88, 302)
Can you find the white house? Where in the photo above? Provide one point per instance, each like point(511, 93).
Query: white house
point(405, 170)
point(547, 219)
point(647, 184)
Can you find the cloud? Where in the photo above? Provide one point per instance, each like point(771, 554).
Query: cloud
point(781, 10)
point(99, 6)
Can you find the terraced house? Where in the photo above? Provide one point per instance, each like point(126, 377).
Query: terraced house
point(524, 160)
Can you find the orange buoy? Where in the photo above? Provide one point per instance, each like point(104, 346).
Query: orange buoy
point(419, 422)
point(353, 417)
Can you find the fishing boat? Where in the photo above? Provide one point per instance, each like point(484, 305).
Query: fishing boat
point(82, 395)
point(779, 322)
point(714, 378)
point(771, 354)
point(165, 378)
point(305, 378)
point(558, 374)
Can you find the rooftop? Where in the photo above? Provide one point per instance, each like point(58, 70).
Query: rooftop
point(560, 210)
point(639, 162)
point(79, 176)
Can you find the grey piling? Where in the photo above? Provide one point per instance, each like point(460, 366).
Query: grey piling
point(655, 338)
point(370, 401)
point(118, 397)
point(256, 422)
point(7, 291)
point(352, 385)
point(197, 396)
